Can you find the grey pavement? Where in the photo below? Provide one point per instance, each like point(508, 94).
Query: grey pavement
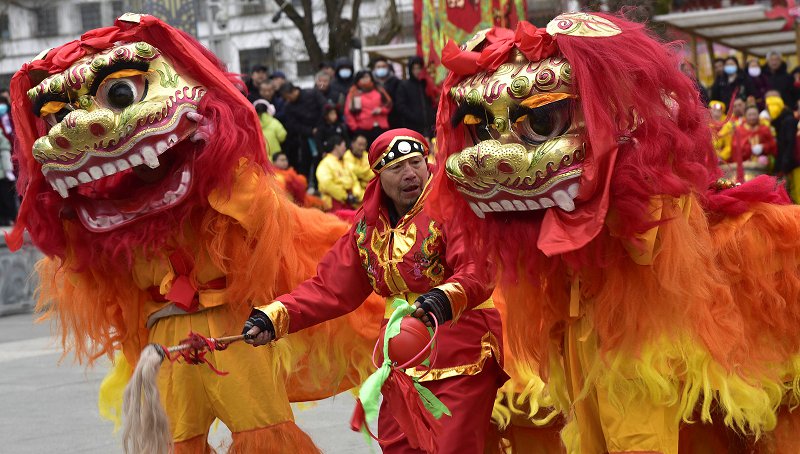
point(49, 404)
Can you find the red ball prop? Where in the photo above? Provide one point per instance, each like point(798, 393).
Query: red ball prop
point(412, 339)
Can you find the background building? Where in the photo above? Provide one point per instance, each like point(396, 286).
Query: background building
point(241, 32)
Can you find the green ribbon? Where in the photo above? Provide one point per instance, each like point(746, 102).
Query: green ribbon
point(371, 388)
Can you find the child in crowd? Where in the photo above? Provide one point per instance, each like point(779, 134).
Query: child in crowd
point(273, 130)
point(331, 126)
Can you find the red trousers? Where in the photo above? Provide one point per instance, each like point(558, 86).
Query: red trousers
point(470, 399)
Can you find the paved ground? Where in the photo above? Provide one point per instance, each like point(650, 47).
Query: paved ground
point(47, 405)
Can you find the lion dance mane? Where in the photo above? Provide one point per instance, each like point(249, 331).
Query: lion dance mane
point(580, 156)
point(85, 207)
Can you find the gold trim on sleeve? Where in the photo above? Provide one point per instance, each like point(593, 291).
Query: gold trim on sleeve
point(279, 316)
point(458, 299)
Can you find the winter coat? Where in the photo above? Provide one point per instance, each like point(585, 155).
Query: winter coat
point(723, 89)
point(415, 107)
point(274, 133)
point(781, 81)
point(363, 118)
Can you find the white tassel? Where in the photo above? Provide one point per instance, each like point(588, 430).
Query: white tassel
point(145, 427)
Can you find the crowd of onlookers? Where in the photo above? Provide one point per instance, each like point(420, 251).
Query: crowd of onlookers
point(321, 134)
point(755, 116)
point(8, 197)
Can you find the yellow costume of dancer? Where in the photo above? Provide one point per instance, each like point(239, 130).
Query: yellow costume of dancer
point(652, 296)
point(146, 185)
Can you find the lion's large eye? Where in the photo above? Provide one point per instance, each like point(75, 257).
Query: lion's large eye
point(120, 93)
point(482, 131)
point(536, 126)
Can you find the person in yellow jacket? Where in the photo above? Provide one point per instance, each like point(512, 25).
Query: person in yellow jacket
point(722, 129)
point(337, 184)
point(357, 161)
point(273, 130)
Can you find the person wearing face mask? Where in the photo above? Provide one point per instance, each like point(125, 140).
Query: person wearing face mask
point(384, 76)
point(341, 82)
point(756, 82)
point(754, 146)
point(367, 107)
point(731, 83)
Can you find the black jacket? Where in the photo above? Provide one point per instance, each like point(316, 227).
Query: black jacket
point(414, 107)
point(391, 85)
point(305, 114)
point(723, 89)
point(786, 134)
point(782, 81)
point(339, 87)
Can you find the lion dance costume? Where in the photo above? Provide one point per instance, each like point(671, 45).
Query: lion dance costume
point(650, 296)
point(145, 184)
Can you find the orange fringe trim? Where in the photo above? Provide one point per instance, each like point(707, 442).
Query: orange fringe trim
point(278, 439)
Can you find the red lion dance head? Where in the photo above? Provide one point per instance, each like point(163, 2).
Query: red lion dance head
point(560, 146)
point(119, 127)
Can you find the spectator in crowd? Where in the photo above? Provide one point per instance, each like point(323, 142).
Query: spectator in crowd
point(326, 67)
point(730, 83)
point(331, 125)
point(719, 67)
point(738, 108)
point(794, 90)
point(267, 92)
point(778, 78)
point(273, 130)
point(785, 126)
point(384, 76)
point(341, 82)
point(258, 74)
point(721, 130)
point(756, 83)
point(367, 107)
point(294, 184)
point(688, 69)
point(413, 102)
point(8, 198)
point(278, 78)
point(303, 116)
point(322, 83)
point(357, 161)
point(753, 139)
point(339, 188)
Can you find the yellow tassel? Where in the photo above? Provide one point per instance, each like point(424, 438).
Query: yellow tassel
point(109, 399)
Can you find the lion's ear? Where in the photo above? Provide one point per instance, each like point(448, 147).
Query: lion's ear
point(475, 43)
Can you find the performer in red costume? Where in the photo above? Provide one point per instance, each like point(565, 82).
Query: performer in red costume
point(397, 250)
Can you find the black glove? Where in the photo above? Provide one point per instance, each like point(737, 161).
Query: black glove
point(259, 319)
point(436, 304)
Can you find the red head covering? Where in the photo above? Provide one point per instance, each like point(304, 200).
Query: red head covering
point(224, 106)
point(391, 147)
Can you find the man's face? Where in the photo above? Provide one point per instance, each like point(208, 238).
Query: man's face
point(358, 146)
point(266, 90)
point(258, 76)
point(403, 182)
point(292, 95)
point(774, 61)
point(323, 82)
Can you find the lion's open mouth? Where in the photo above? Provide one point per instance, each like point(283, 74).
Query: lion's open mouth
point(155, 175)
